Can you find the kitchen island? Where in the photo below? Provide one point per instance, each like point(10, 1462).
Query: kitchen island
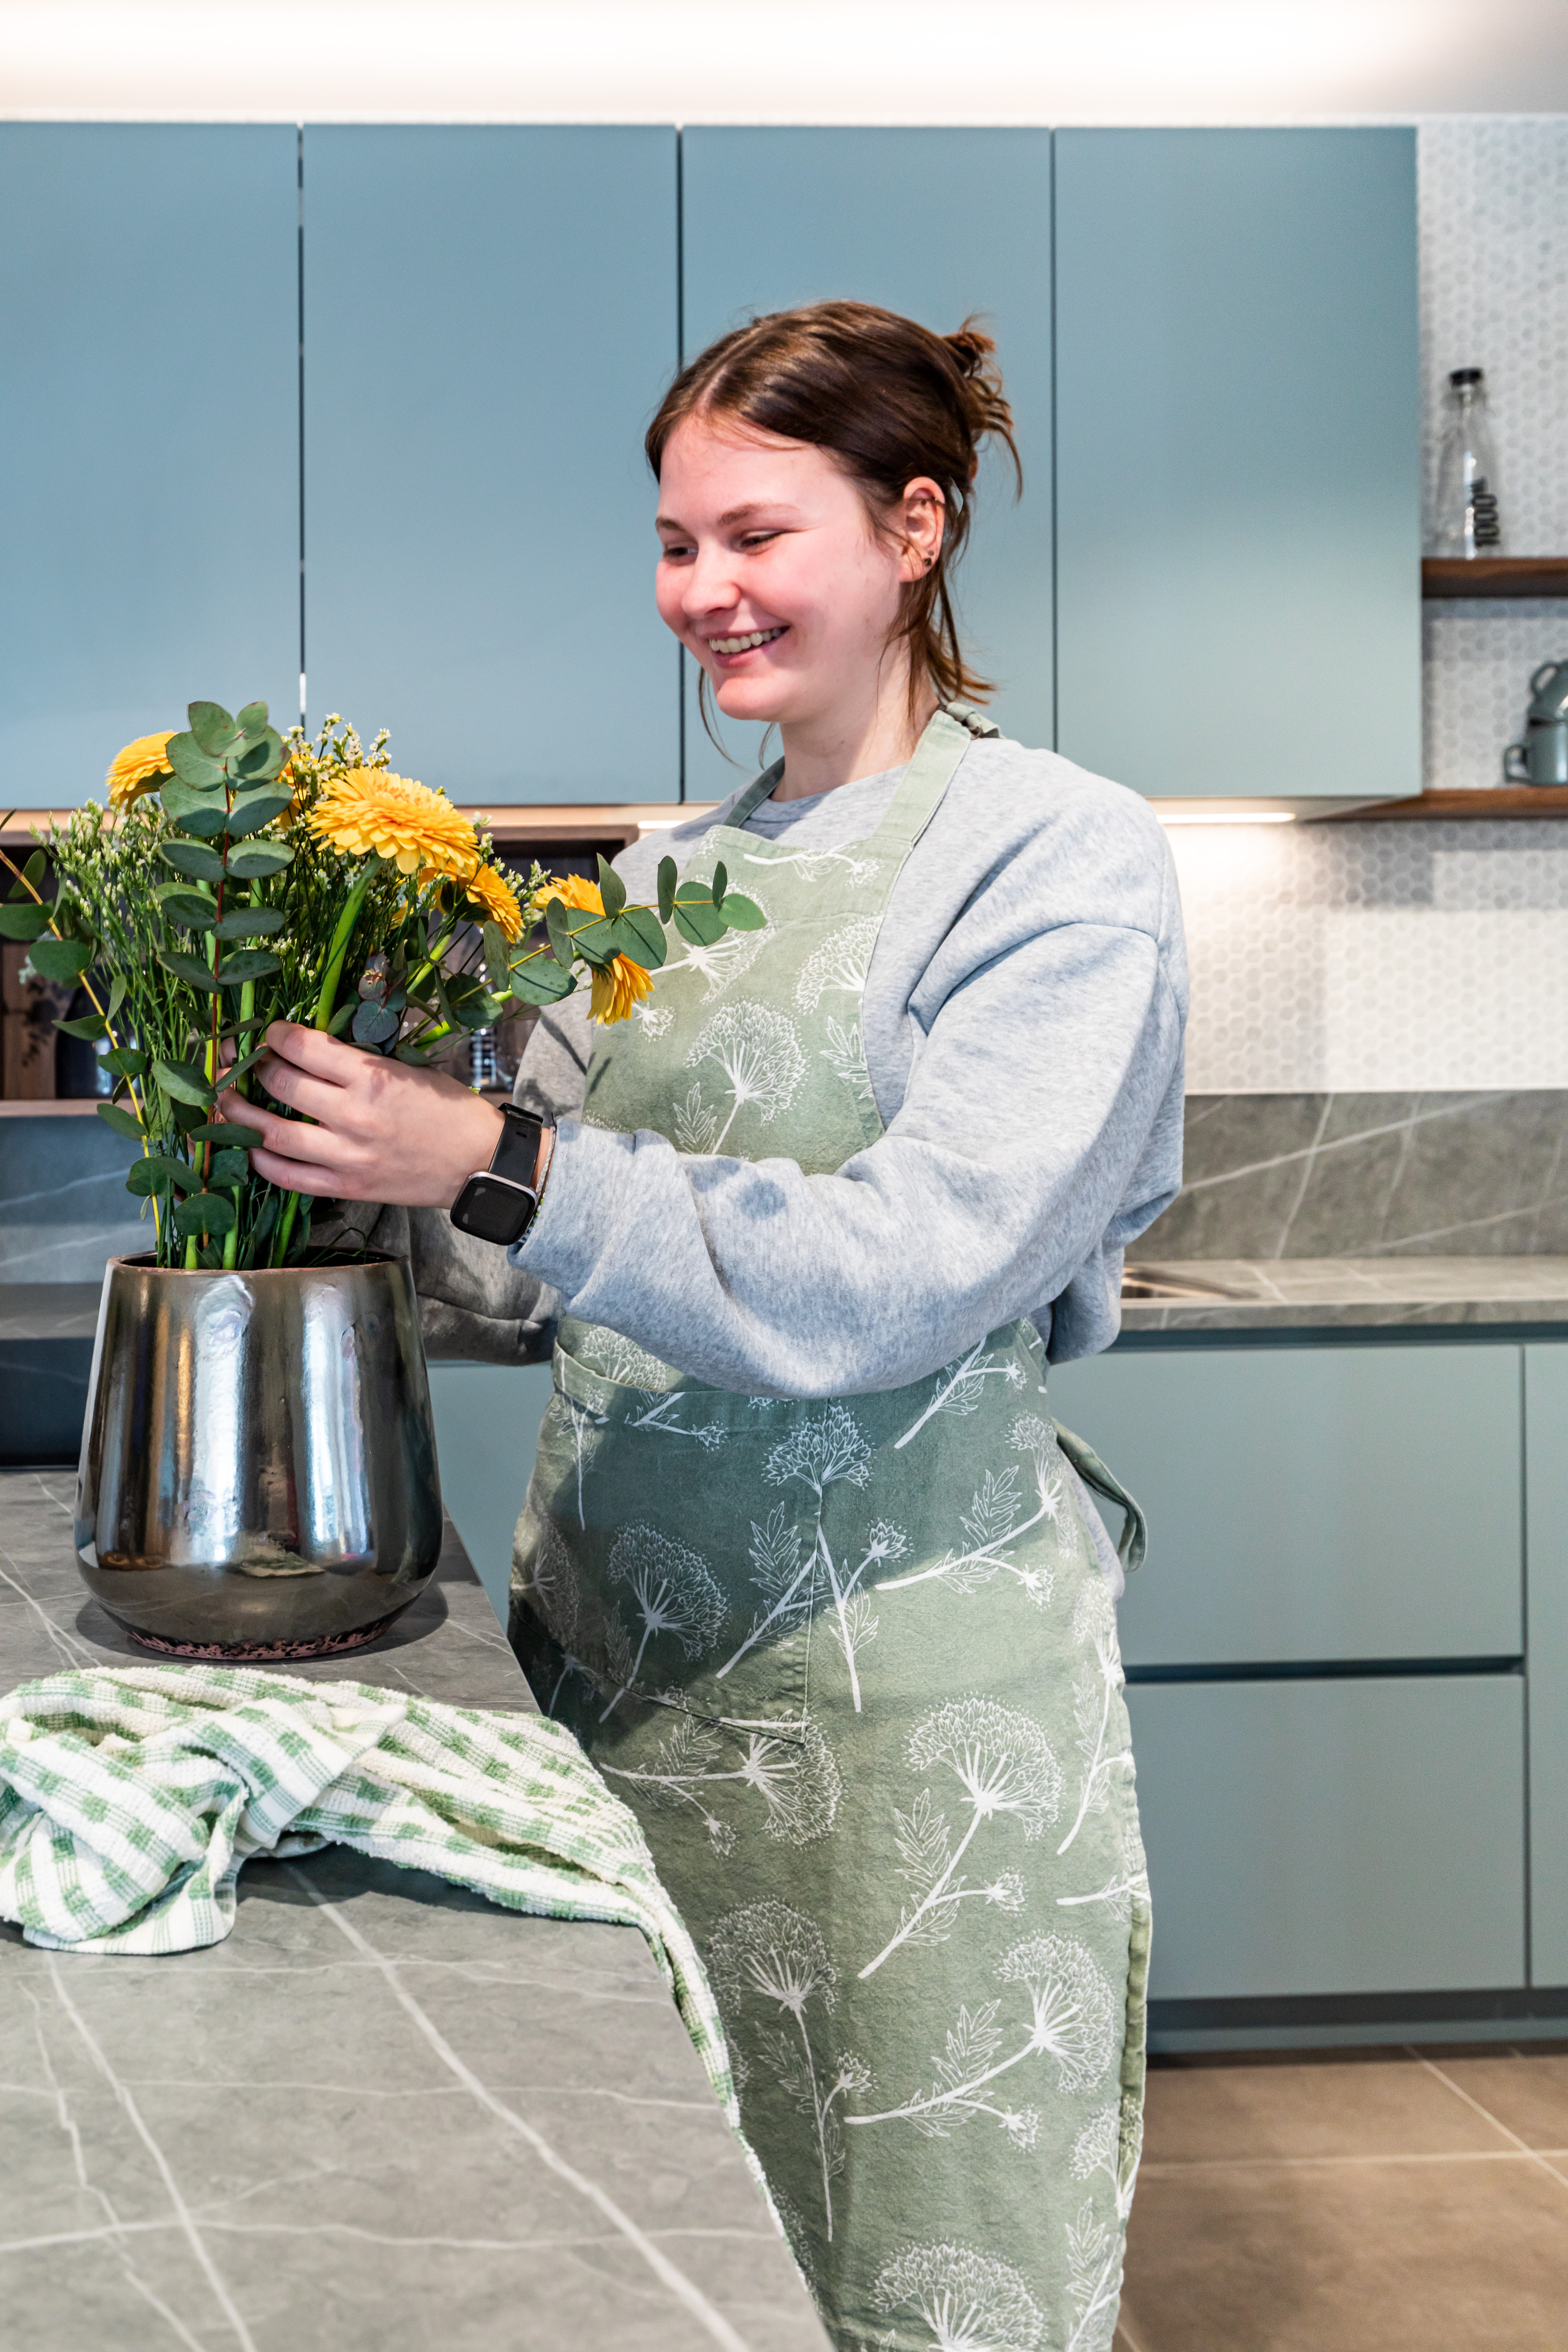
point(384, 2116)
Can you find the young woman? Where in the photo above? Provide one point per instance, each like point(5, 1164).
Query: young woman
point(805, 1563)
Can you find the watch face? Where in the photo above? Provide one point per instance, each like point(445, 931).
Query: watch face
point(492, 1210)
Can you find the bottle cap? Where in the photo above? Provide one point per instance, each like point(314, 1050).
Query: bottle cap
point(1466, 375)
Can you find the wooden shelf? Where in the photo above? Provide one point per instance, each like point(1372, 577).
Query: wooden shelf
point(65, 1108)
point(1501, 800)
point(1494, 576)
point(517, 827)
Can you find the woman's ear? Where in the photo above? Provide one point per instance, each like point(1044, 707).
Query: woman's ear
point(919, 523)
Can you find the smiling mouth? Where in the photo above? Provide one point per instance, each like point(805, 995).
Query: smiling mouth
point(748, 644)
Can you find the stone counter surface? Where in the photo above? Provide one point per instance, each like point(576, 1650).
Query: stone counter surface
point(384, 2116)
point(1328, 1294)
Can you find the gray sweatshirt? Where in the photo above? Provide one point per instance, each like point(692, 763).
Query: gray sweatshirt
point(1022, 1024)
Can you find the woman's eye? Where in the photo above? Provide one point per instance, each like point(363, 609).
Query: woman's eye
point(754, 538)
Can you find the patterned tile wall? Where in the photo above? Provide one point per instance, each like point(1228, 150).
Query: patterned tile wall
point(1387, 957)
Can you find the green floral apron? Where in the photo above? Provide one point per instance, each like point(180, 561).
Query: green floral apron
point(854, 1665)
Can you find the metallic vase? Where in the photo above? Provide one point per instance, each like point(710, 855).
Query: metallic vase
point(258, 1472)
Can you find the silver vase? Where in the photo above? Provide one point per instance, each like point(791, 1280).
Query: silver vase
point(258, 1472)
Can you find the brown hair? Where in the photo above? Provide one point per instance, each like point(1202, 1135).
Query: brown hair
point(889, 399)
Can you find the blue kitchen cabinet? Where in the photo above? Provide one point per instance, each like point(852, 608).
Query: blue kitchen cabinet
point(149, 477)
point(487, 1427)
point(1316, 1502)
point(1334, 1837)
point(1546, 1428)
point(1237, 460)
point(490, 319)
point(934, 223)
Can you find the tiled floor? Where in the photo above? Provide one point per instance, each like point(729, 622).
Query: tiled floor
point(1377, 2201)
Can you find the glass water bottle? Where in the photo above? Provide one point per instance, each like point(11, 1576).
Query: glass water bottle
point(1468, 522)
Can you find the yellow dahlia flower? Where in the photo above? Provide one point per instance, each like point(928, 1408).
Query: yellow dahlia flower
point(622, 984)
point(368, 809)
point(137, 769)
point(490, 889)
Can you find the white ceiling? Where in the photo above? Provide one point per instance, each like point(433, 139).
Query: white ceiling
point(1044, 61)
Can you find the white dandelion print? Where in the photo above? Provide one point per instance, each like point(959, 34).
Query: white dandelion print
point(1004, 1764)
point(1094, 2281)
point(663, 1409)
point(1111, 2142)
point(771, 1955)
point(758, 1053)
point(999, 1516)
point(846, 1057)
point(1074, 2022)
point(789, 1768)
point(959, 1388)
point(969, 2302)
point(1094, 1697)
point(674, 1593)
point(726, 961)
point(839, 965)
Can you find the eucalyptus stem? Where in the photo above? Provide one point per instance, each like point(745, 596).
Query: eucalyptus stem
point(326, 1004)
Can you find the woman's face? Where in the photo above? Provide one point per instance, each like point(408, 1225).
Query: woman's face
point(771, 575)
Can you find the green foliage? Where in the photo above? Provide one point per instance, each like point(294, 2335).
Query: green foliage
point(25, 922)
point(60, 959)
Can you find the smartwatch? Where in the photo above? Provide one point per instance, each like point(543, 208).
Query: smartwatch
point(499, 1203)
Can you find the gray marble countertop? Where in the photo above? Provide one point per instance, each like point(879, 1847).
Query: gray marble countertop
point(49, 1310)
point(384, 2115)
point(1332, 1293)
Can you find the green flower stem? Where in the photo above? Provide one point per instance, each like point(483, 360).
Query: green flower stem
point(337, 955)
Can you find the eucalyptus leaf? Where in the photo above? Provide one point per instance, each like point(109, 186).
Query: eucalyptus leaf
point(720, 883)
point(699, 921)
point(241, 1068)
point(206, 817)
point(228, 1167)
point(494, 954)
point(186, 908)
point(612, 889)
point(205, 1213)
point(158, 1173)
point(555, 925)
point(414, 1055)
point(90, 1025)
point(190, 857)
point(598, 941)
point(374, 1025)
point(260, 760)
point(116, 994)
point(743, 914)
point(226, 1130)
point(542, 982)
point(188, 967)
point(251, 811)
point(192, 765)
point(60, 959)
point(126, 1061)
point(25, 922)
point(252, 720)
point(668, 879)
point(33, 870)
point(342, 1017)
point(250, 963)
point(122, 1121)
point(212, 728)
point(652, 946)
point(184, 1082)
point(259, 858)
point(251, 923)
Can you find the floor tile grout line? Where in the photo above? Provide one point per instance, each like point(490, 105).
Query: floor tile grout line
point(1179, 2171)
point(1127, 2336)
point(1460, 2093)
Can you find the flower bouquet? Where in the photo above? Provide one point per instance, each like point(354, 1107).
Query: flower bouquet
point(239, 877)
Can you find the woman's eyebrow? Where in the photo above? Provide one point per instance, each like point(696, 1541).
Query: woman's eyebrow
point(731, 515)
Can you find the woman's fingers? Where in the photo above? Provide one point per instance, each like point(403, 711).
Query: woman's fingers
point(307, 1176)
point(313, 1051)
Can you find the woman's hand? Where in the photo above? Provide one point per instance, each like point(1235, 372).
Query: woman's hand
point(383, 1131)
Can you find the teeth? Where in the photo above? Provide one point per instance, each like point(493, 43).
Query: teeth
point(744, 644)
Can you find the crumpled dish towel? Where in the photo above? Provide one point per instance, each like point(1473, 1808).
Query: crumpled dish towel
point(130, 1798)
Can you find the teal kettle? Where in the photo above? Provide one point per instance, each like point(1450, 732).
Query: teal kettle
point(1542, 757)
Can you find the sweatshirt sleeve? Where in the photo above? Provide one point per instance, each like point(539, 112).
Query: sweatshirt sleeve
point(1045, 1050)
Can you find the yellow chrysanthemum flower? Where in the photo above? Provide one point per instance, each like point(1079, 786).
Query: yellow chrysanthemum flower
point(137, 769)
point(490, 889)
point(368, 809)
point(622, 984)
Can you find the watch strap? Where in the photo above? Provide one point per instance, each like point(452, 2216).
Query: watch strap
point(516, 1155)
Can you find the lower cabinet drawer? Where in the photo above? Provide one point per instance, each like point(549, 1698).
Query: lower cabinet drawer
point(486, 1428)
point(1313, 1503)
point(1323, 1836)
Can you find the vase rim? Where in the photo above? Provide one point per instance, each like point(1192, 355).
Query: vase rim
point(143, 1262)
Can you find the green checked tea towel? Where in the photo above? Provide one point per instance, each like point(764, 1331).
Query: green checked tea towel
point(130, 1798)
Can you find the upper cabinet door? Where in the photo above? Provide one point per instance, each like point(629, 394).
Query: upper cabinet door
point(149, 481)
point(938, 225)
point(489, 323)
point(1237, 460)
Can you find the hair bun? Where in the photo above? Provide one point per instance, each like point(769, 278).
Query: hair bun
point(971, 348)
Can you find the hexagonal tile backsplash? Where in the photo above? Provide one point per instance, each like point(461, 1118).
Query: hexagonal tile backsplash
point(1415, 955)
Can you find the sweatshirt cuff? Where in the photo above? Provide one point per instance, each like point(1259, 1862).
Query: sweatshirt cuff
point(583, 1195)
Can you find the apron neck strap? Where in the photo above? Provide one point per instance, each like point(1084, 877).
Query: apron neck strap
point(948, 735)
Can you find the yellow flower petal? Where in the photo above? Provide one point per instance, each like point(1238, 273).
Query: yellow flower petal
point(617, 990)
point(491, 890)
point(368, 809)
point(135, 769)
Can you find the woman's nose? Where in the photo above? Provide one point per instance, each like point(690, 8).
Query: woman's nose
point(710, 586)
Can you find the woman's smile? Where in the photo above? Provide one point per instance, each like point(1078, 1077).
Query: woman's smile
point(731, 650)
